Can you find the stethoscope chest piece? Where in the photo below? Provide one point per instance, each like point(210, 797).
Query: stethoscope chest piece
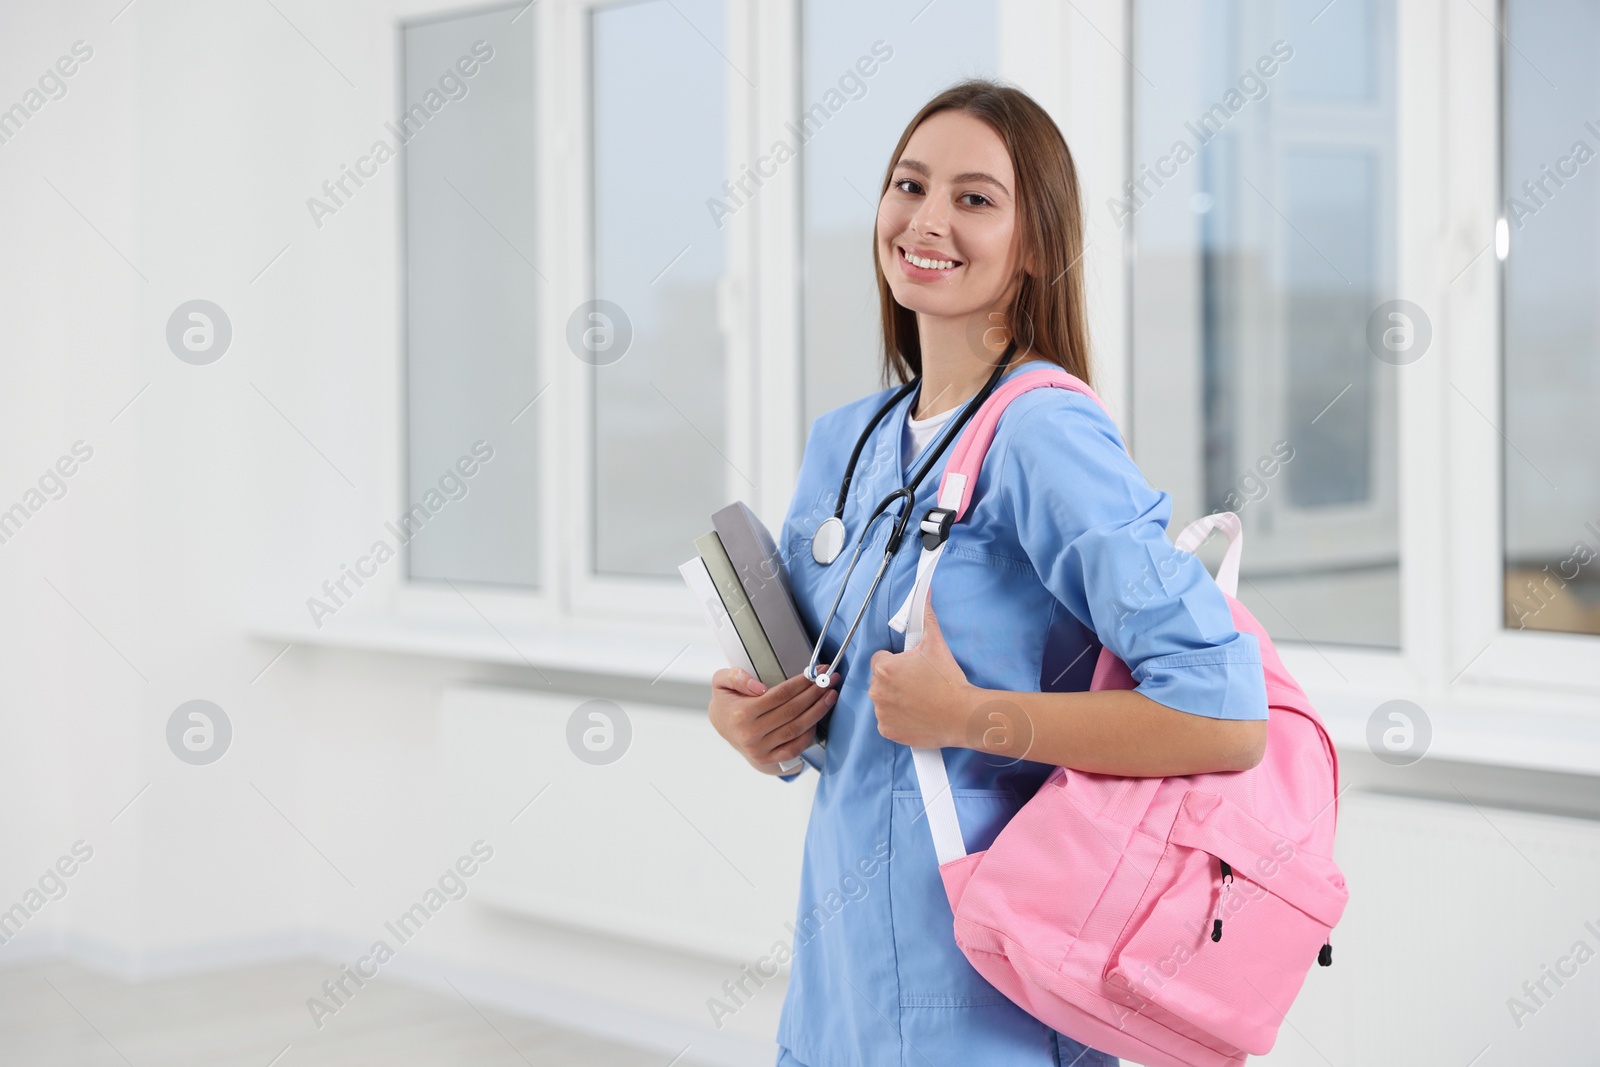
point(828, 541)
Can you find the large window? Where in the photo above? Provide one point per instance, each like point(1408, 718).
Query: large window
point(1263, 211)
point(1551, 373)
point(1301, 310)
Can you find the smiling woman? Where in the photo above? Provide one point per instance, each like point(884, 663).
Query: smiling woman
point(977, 244)
point(956, 214)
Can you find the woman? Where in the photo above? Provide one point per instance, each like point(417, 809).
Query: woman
point(978, 243)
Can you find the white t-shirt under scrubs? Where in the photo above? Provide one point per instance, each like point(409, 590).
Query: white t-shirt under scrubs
point(921, 431)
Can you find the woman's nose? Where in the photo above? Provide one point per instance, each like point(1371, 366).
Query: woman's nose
point(931, 218)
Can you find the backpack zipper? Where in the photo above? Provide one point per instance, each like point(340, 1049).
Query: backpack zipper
point(1324, 956)
point(1222, 898)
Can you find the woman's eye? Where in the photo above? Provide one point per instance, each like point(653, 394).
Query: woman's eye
point(915, 189)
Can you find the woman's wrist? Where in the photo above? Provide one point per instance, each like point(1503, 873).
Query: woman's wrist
point(963, 716)
point(991, 721)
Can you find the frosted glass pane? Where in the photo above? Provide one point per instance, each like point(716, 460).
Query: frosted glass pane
point(660, 115)
point(469, 291)
point(1332, 198)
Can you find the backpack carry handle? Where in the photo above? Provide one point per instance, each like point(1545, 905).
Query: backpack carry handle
point(1195, 534)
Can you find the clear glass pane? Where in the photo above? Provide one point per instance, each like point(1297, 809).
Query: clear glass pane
point(469, 234)
point(851, 121)
point(1551, 456)
point(1263, 216)
point(660, 112)
point(1327, 309)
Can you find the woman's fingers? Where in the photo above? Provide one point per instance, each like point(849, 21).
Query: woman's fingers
point(769, 724)
point(738, 681)
point(795, 720)
point(785, 753)
point(790, 699)
point(743, 683)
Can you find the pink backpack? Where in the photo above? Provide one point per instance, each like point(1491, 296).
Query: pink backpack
point(1169, 921)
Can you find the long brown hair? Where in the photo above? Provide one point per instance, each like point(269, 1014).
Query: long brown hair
point(1047, 316)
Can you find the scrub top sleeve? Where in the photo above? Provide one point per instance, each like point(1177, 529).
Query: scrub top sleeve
point(1095, 532)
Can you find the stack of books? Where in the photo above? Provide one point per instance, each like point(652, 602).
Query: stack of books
point(739, 582)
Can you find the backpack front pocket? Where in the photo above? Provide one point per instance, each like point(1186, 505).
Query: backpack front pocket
point(1232, 920)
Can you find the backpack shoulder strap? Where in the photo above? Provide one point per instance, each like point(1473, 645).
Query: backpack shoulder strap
point(955, 496)
point(966, 459)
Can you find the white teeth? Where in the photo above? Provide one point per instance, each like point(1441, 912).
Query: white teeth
point(928, 264)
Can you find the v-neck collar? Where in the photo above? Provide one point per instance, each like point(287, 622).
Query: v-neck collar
point(907, 404)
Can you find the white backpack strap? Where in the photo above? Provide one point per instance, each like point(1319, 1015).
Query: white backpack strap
point(955, 495)
point(938, 804)
point(933, 779)
point(1194, 535)
point(960, 476)
point(908, 619)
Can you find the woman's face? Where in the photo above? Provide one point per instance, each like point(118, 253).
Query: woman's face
point(951, 200)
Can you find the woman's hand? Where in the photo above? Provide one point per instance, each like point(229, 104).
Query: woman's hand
point(768, 726)
point(922, 696)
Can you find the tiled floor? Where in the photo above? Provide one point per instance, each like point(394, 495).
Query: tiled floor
point(61, 1015)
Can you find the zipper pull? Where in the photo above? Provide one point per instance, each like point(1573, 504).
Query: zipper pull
point(1325, 956)
point(1222, 898)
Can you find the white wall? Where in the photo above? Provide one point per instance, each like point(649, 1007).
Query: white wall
point(189, 142)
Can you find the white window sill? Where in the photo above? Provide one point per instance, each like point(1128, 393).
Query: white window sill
point(1502, 725)
point(1521, 730)
point(684, 654)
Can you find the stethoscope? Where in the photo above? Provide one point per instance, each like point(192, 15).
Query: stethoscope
point(828, 541)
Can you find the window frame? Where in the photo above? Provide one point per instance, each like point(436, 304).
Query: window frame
point(600, 596)
point(432, 600)
point(1496, 695)
point(1495, 654)
point(1455, 655)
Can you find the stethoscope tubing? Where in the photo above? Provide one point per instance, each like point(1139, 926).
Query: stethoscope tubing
point(861, 442)
point(906, 493)
point(883, 565)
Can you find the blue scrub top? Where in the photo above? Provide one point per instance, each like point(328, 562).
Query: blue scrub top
point(1064, 548)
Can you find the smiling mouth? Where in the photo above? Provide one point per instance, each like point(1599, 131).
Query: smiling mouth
point(927, 264)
